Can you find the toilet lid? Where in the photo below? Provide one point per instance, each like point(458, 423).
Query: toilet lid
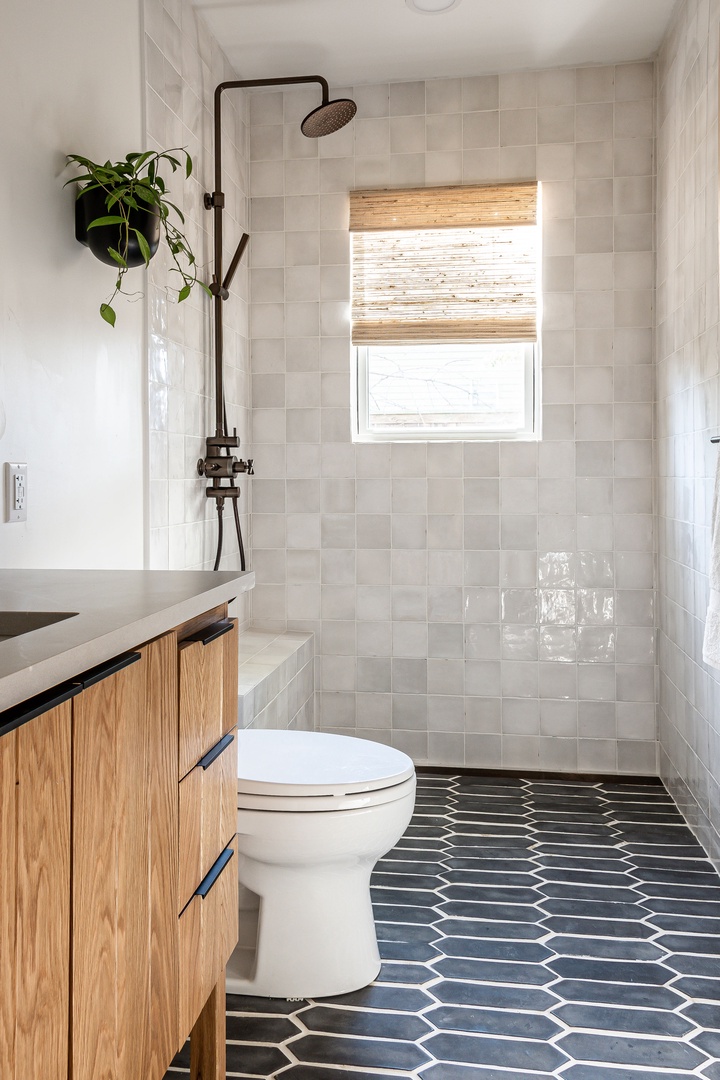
point(314, 763)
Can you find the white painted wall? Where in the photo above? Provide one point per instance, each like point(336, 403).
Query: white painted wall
point(72, 389)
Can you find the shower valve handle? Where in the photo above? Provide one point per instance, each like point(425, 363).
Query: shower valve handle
point(243, 466)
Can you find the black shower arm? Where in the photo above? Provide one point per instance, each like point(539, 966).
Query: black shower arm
point(246, 84)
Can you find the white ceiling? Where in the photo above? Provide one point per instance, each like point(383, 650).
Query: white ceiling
point(353, 42)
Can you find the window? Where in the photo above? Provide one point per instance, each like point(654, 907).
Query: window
point(444, 312)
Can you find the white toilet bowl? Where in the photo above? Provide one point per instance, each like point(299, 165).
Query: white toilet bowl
point(315, 813)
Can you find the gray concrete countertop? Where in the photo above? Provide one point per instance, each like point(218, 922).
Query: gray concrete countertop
point(117, 610)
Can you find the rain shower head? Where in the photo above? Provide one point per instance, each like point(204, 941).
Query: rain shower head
point(328, 117)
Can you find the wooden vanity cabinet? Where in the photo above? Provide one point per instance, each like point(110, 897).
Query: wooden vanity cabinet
point(107, 962)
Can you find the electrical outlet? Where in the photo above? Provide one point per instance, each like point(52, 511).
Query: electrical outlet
point(16, 490)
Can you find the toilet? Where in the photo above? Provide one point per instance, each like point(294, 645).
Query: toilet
point(315, 813)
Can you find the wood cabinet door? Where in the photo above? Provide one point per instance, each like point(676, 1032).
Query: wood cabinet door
point(35, 791)
point(125, 822)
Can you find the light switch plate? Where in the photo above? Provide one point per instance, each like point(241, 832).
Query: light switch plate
point(16, 490)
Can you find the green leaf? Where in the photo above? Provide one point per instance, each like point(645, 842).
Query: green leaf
point(108, 314)
point(188, 165)
point(205, 287)
point(110, 219)
point(144, 246)
point(117, 257)
point(184, 293)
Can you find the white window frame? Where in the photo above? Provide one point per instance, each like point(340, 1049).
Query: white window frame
point(360, 397)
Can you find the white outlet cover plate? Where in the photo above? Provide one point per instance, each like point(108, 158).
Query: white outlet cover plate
point(16, 490)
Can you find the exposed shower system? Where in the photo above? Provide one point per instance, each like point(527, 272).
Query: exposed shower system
point(219, 464)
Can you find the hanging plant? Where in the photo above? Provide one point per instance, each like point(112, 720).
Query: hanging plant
point(122, 211)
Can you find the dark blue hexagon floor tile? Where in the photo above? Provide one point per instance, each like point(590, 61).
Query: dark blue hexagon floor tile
point(605, 1018)
point(405, 974)
point(408, 843)
point(404, 897)
point(570, 967)
point(582, 863)
point(708, 1042)
point(625, 1050)
point(490, 894)
point(644, 997)
point(706, 1016)
point(331, 1020)
point(260, 1029)
point(688, 943)
point(702, 908)
point(705, 989)
point(479, 879)
point(406, 932)
point(450, 992)
point(482, 929)
point(255, 1060)
point(593, 909)
point(404, 950)
point(594, 928)
point(498, 864)
point(592, 893)
point(706, 966)
point(712, 1072)
point(664, 861)
point(484, 910)
point(686, 924)
point(389, 913)
point(601, 878)
point(390, 865)
point(485, 815)
point(529, 952)
point(612, 949)
point(692, 874)
point(594, 854)
point(363, 1053)
point(521, 1025)
point(405, 881)
point(494, 971)
point(511, 1053)
point(687, 850)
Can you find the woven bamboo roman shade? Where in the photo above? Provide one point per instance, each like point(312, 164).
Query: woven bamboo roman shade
point(444, 264)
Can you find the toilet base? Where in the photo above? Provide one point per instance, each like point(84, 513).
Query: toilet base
point(322, 945)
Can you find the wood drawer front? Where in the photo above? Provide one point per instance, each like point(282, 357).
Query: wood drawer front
point(208, 933)
point(208, 814)
point(208, 672)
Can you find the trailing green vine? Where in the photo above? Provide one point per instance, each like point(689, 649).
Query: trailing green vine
point(133, 184)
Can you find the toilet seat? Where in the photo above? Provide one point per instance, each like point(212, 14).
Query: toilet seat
point(311, 770)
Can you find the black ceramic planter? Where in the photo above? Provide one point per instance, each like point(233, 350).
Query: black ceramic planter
point(91, 205)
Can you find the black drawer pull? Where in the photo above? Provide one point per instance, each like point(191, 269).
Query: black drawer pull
point(211, 633)
point(206, 761)
point(110, 667)
point(214, 873)
point(22, 713)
